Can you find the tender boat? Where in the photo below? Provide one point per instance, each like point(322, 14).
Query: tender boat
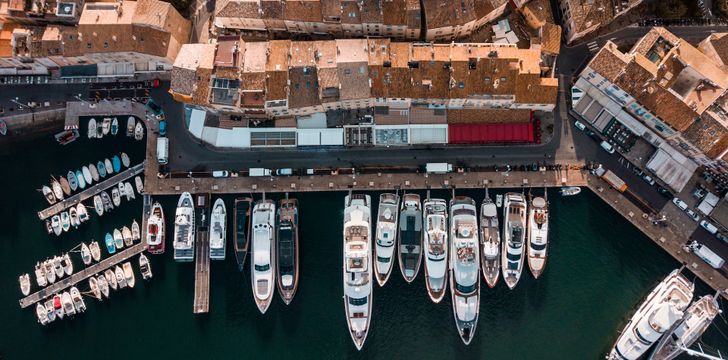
point(115, 197)
point(110, 277)
point(85, 254)
point(101, 169)
point(98, 205)
point(58, 267)
point(56, 225)
point(696, 320)
point(78, 302)
point(110, 245)
point(48, 194)
point(263, 262)
point(82, 212)
point(42, 314)
point(130, 124)
point(129, 274)
point(144, 267)
point(109, 167)
point(106, 126)
point(538, 234)
point(436, 247)
point(40, 275)
point(66, 137)
point(125, 160)
point(67, 264)
point(67, 303)
point(118, 239)
point(65, 186)
point(464, 266)
point(514, 233)
point(114, 127)
point(570, 190)
point(138, 131)
point(93, 285)
point(95, 250)
point(661, 310)
point(386, 236)
point(87, 175)
point(73, 214)
point(126, 235)
point(135, 233)
point(410, 237)
point(218, 230)
point(103, 285)
point(50, 310)
point(65, 221)
point(72, 180)
point(58, 306)
point(184, 229)
point(155, 230)
point(490, 242)
point(57, 190)
point(94, 172)
point(129, 191)
point(106, 201)
point(242, 229)
point(116, 163)
point(357, 272)
point(139, 184)
point(24, 281)
point(49, 271)
point(80, 179)
point(499, 200)
point(287, 261)
point(120, 277)
point(91, 128)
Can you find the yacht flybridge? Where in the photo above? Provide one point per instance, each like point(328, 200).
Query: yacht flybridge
point(357, 272)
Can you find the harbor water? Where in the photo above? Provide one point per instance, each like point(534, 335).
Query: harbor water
point(599, 270)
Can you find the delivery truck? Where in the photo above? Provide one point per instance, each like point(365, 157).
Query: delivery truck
point(611, 178)
point(438, 168)
point(707, 255)
point(259, 172)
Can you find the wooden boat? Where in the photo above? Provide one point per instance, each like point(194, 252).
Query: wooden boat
point(92, 128)
point(287, 261)
point(130, 125)
point(139, 184)
point(129, 274)
point(81, 180)
point(87, 175)
point(48, 194)
point(126, 235)
point(125, 160)
point(94, 172)
point(135, 233)
point(72, 180)
point(65, 186)
point(138, 131)
point(101, 168)
point(144, 267)
point(98, 205)
point(95, 250)
point(109, 167)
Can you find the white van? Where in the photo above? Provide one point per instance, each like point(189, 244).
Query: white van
point(708, 226)
point(607, 147)
point(162, 150)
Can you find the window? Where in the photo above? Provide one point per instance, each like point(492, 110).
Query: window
point(347, 71)
point(308, 84)
point(106, 44)
point(297, 86)
point(361, 69)
point(487, 79)
point(461, 85)
point(503, 79)
point(88, 45)
point(306, 71)
point(352, 14)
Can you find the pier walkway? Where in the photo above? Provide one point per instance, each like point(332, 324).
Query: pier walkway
point(91, 191)
point(202, 256)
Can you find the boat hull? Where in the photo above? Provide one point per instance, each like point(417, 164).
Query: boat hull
point(384, 249)
point(287, 261)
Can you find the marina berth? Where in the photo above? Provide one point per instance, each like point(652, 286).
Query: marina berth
point(410, 236)
point(184, 229)
point(262, 266)
point(241, 236)
point(490, 242)
point(514, 236)
point(386, 236)
point(357, 271)
point(538, 234)
point(218, 230)
point(464, 266)
point(287, 262)
point(155, 230)
point(436, 248)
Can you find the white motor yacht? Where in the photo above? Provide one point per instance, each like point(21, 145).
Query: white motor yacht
point(263, 264)
point(464, 266)
point(184, 229)
point(490, 242)
point(386, 237)
point(218, 230)
point(514, 234)
point(436, 248)
point(538, 235)
point(357, 272)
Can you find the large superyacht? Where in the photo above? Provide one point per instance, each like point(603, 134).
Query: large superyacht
point(436, 246)
point(357, 272)
point(464, 266)
point(514, 233)
point(184, 229)
point(663, 308)
point(490, 242)
point(242, 229)
point(218, 230)
point(386, 237)
point(287, 249)
point(538, 235)
point(262, 264)
point(410, 236)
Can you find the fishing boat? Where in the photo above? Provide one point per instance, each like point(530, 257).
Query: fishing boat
point(661, 310)
point(126, 235)
point(50, 273)
point(696, 320)
point(98, 205)
point(129, 191)
point(114, 127)
point(135, 233)
point(56, 225)
point(118, 239)
point(262, 266)
point(67, 264)
point(155, 230)
point(85, 254)
point(78, 302)
point(184, 229)
point(125, 160)
point(241, 237)
point(120, 277)
point(58, 306)
point(144, 267)
point(490, 241)
point(514, 233)
point(410, 237)
point(109, 166)
point(116, 163)
point(101, 169)
point(106, 126)
point(91, 128)
point(287, 261)
point(72, 180)
point(94, 172)
point(218, 230)
point(67, 303)
point(436, 247)
point(50, 311)
point(139, 184)
point(65, 221)
point(499, 200)
point(42, 314)
point(106, 200)
point(386, 236)
point(538, 233)
point(138, 131)
point(49, 226)
point(73, 215)
point(57, 190)
point(357, 272)
point(95, 250)
point(130, 124)
point(66, 137)
point(40, 276)
point(82, 212)
point(570, 190)
point(110, 245)
point(58, 267)
point(87, 175)
point(110, 277)
point(464, 266)
point(65, 186)
point(129, 274)
point(80, 179)
point(93, 285)
point(24, 281)
point(103, 285)
point(115, 197)
point(48, 194)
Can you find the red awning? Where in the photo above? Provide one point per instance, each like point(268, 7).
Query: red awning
point(490, 133)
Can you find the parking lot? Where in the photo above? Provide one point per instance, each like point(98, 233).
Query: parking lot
point(138, 90)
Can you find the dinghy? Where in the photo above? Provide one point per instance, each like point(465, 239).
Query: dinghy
point(135, 234)
point(48, 194)
point(80, 179)
point(50, 273)
point(67, 264)
point(122, 189)
point(92, 128)
point(109, 167)
point(120, 277)
point(95, 250)
point(130, 125)
point(125, 160)
point(138, 131)
point(144, 267)
point(24, 284)
point(51, 311)
point(103, 285)
point(87, 175)
point(93, 284)
point(110, 244)
point(98, 205)
point(56, 225)
point(57, 190)
point(116, 162)
point(108, 206)
point(65, 186)
point(126, 235)
point(114, 127)
point(106, 126)
point(101, 168)
point(73, 215)
point(115, 197)
point(110, 278)
point(82, 212)
point(118, 239)
point(129, 191)
point(85, 254)
point(139, 184)
point(72, 180)
point(40, 275)
point(94, 172)
point(129, 274)
point(65, 221)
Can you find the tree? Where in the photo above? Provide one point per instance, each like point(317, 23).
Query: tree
point(671, 9)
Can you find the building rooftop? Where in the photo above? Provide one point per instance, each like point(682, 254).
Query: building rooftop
point(715, 47)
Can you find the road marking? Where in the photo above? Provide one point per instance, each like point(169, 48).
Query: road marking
point(593, 46)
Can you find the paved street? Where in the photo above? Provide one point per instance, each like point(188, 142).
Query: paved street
point(55, 94)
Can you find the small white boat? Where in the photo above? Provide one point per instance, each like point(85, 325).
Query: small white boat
point(130, 125)
point(48, 194)
point(145, 267)
point(85, 254)
point(58, 267)
point(114, 127)
point(93, 284)
point(65, 221)
point(82, 212)
point(106, 200)
point(92, 128)
point(103, 285)
point(126, 235)
point(110, 278)
point(24, 281)
point(109, 166)
point(138, 131)
point(49, 272)
point(42, 314)
point(125, 159)
point(73, 215)
point(570, 190)
point(139, 184)
point(129, 191)
point(87, 175)
point(40, 275)
point(67, 264)
point(80, 179)
point(115, 197)
point(129, 274)
point(135, 233)
point(72, 182)
point(78, 302)
point(98, 205)
point(106, 126)
point(120, 277)
point(56, 225)
point(95, 250)
point(122, 189)
point(94, 172)
point(67, 303)
point(118, 239)
point(57, 189)
point(50, 310)
point(499, 200)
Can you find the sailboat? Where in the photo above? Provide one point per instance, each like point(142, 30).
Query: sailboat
point(410, 237)
point(514, 232)
point(242, 229)
point(263, 261)
point(464, 266)
point(490, 241)
point(538, 234)
point(91, 128)
point(287, 261)
point(436, 248)
point(386, 236)
point(85, 254)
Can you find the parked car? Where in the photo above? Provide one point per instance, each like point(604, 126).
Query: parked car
point(162, 127)
point(220, 173)
point(698, 193)
point(579, 125)
point(284, 172)
point(693, 215)
point(648, 179)
point(607, 147)
point(722, 237)
point(708, 226)
point(680, 204)
point(637, 171)
point(664, 192)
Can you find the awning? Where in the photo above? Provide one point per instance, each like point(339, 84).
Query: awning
point(490, 133)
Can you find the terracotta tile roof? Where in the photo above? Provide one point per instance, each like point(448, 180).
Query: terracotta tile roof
point(248, 9)
point(276, 67)
point(609, 61)
point(227, 53)
point(350, 8)
point(272, 9)
point(540, 10)
point(656, 36)
point(394, 12)
point(252, 81)
point(550, 38)
point(331, 9)
point(589, 14)
point(708, 134)
point(254, 56)
point(444, 13)
point(190, 62)
point(303, 54)
point(715, 46)
point(328, 78)
point(325, 54)
point(302, 10)
point(303, 87)
point(371, 11)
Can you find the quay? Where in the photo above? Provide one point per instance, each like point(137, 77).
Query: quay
point(202, 259)
point(91, 191)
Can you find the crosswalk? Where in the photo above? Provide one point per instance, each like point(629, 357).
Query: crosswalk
point(593, 47)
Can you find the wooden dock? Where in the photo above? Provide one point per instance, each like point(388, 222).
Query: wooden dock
point(202, 255)
point(91, 191)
